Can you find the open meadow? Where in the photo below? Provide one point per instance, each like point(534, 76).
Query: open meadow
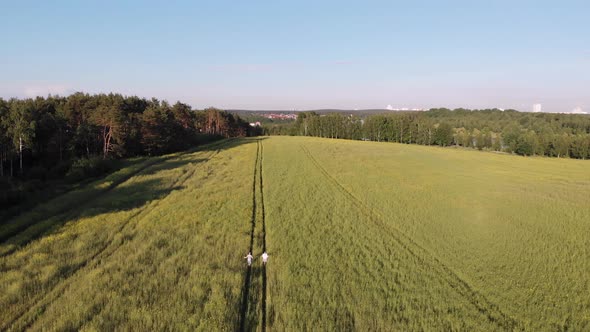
point(361, 236)
point(379, 236)
point(159, 250)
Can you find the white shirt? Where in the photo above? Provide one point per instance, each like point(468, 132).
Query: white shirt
point(264, 257)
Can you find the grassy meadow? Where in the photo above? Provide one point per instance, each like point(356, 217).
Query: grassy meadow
point(161, 250)
point(361, 236)
point(378, 236)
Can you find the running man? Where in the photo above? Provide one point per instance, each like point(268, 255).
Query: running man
point(249, 257)
point(264, 258)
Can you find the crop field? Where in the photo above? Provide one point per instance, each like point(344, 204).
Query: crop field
point(375, 236)
point(361, 236)
point(162, 249)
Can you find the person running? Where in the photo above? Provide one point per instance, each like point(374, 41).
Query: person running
point(249, 257)
point(264, 258)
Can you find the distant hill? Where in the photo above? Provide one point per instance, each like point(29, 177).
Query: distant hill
point(252, 114)
point(323, 110)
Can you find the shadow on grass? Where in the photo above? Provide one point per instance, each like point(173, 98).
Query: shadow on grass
point(128, 197)
point(120, 198)
point(252, 297)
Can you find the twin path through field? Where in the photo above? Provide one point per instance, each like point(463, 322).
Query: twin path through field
point(246, 321)
point(27, 316)
point(253, 307)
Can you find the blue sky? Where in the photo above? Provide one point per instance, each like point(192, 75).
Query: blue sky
point(303, 54)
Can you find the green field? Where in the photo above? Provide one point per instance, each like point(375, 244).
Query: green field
point(361, 235)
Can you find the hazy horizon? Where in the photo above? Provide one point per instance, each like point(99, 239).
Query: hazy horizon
point(304, 55)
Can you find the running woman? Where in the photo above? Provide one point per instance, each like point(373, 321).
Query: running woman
point(264, 258)
point(249, 257)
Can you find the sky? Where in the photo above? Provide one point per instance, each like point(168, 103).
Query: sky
point(303, 54)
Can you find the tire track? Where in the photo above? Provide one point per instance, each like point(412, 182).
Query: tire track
point(492, 311)
point(248, 275)
point(257, 208)
point(263, 238)
point(61, 286)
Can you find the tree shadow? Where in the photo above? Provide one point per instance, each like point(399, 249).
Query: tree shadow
point(119, 199)
point(128, 197)
point(252, 296)
point(169, 164)
point(116, 197)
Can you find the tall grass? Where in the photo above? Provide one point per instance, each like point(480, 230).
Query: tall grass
point(162, 250)
point(380, 236)
point(361, 236)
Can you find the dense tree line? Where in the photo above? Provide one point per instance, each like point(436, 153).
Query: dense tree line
point(555, 135)
point(42, 138)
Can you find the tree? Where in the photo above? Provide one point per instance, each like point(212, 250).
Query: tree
point(303, 123)
point(110, 119)
point(20, 126)
point(510, 135)
point(183, 115)
point(561, 145)
point(443, 134)
point(462, 137)
point(581, 146)
point(5, 141)
point(509, 130)
point(63, 133)
point(527, 144)
point(477, 139)
point(496, 141)
point(154, 137)
point(78, 110)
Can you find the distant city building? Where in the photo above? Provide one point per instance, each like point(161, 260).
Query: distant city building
point(404, 109)
point(578, 110)
point(537, 108)
point(281, 116)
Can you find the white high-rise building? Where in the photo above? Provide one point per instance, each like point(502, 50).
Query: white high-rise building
point(578, 110)
point(537, 108)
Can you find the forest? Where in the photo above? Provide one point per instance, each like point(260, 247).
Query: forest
point(527, 134)
point(83, 135)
